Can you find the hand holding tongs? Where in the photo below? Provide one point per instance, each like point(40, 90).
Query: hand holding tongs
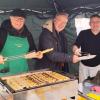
point(29, 55)
point(83, 55)
point(80, 53)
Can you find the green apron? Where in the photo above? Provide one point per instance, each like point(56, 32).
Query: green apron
point(14, 46)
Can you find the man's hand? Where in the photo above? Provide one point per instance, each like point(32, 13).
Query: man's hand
point(75, 59)
point(31, 55)
point(76, 50)
point(38, 54)
point(1, 59)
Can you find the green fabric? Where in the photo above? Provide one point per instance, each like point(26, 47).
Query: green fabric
point(15, 46)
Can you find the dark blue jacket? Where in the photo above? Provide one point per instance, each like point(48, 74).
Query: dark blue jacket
point(58, 57)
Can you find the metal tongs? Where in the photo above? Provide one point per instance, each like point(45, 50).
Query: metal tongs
point(84, 54)
point(10, 58)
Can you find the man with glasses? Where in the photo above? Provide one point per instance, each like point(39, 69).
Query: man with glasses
point(15, 39)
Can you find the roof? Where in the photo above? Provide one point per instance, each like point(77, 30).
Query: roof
point(49, 6)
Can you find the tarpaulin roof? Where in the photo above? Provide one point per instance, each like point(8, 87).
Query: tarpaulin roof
point(48, 5)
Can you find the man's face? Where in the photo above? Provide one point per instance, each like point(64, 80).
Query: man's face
point(60, 22)
point(95, 24)
point(17, 22)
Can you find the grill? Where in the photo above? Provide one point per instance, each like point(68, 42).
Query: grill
point(38, 85)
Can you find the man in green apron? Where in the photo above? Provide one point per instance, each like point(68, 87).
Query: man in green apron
point(15, 39)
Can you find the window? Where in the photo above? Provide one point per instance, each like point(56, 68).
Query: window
point(81, 24)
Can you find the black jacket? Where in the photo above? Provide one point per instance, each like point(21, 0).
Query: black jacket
point(58, 56)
